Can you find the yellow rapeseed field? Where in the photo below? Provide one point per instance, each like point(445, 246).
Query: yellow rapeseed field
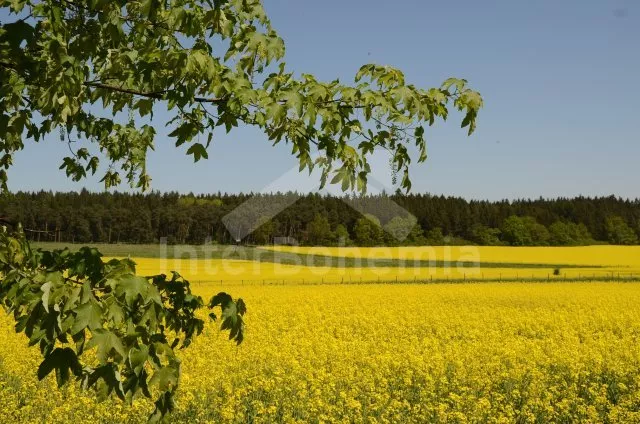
point(254, 272)
point(509, 352)
point(584, 262)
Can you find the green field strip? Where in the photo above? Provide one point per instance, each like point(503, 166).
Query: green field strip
point(288, 258)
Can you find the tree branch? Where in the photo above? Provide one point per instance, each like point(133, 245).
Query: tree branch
point(153, 95)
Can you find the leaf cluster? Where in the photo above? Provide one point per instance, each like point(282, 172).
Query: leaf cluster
point(212, 64)
point(69, 303)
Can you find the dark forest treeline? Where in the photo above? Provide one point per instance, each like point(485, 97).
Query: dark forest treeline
point(313, 219)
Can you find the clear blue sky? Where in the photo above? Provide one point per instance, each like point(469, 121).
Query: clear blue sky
point(559, 79)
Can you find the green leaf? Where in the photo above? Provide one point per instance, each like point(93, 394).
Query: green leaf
point(232, 313)
point(198, 151)
point(163, 406)
point(110, 377)
point(108, 343)
point(16, 33)
point(295, 101)
point(138, 357)
point(145, 107)
point(63, 360)
point(115, 312)
point(166, 378)
point(46, 291)
point(88, 315)
point(132, 287)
